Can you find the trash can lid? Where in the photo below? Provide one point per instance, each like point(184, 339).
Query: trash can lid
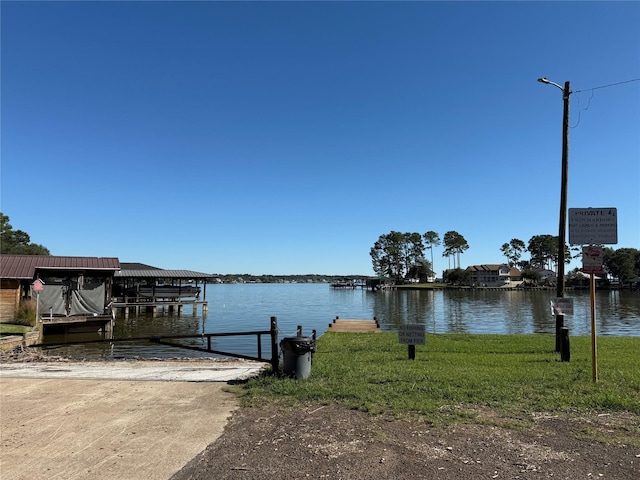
point(297, 339)
point(305, 344)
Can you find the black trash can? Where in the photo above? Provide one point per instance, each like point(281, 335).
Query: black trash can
point(298, 355)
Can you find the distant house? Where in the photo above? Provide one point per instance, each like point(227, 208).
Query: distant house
point(498, 275)
point(71, 286)
point(548, 277)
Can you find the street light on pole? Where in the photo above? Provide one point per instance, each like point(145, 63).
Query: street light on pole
point(562, 227)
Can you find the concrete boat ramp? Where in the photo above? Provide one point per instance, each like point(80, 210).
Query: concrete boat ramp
point(107, 420)
point(165, 371)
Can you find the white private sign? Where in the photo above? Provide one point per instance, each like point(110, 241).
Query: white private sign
point(593, 226)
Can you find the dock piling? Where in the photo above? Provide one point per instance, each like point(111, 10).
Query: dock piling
point(275, 355)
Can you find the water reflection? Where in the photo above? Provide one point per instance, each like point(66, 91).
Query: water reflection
point(506, 312)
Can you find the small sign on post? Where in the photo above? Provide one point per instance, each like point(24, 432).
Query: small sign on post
point(562, 306)
point(412, 335)
point(592, 260)
point(37, 286)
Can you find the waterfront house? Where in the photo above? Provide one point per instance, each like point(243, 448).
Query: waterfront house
point(547, 277)
point(494, 275)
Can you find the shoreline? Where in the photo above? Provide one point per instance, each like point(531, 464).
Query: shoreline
point(24, 355)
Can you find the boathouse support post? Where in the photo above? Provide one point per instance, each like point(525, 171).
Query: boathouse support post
point(275, 356)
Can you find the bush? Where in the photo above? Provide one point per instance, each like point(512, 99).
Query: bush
point(26, 313)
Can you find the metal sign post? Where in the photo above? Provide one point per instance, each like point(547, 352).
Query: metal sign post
point(38, 286)
point(412, 335)
point(593, 226)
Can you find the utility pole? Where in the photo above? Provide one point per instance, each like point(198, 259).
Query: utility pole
point(562, 225)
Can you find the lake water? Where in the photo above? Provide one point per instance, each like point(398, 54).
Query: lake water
point(248, 307)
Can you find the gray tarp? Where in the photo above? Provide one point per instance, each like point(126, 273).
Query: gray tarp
point(89, 300)
point(53, 298)
point(86, 301)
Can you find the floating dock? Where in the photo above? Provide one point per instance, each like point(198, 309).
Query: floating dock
point(354, 326)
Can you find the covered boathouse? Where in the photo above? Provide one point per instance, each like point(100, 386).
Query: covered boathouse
point(140, 288)
point(72, 294)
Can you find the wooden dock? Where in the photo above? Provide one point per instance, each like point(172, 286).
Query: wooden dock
point(102, 324)
point(354, 326)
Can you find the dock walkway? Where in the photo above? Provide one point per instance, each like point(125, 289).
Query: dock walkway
point(354, 326)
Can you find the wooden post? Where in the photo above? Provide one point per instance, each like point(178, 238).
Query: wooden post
point(562, 225)
point(259, 338)
point(565, 350)
point(275, 357)
point(559, 325)
point(412, 352)
point(594, 348)
point(299, 331)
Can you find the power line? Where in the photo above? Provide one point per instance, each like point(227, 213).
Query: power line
point(591, 97)
point(609, 85)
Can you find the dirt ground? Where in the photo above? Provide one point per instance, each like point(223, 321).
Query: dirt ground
point(336, 443)
point(156, 429)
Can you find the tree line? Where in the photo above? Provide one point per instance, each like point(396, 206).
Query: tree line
point(401, 256)
point(17, 242)
point(623, 263)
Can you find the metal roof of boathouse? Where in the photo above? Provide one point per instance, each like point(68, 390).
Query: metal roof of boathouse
point(140, 270)
point(23, 267)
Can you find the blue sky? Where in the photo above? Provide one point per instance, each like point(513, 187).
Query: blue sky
point(286, 137)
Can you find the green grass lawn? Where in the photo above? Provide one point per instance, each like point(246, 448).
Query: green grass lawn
point(515, 374)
